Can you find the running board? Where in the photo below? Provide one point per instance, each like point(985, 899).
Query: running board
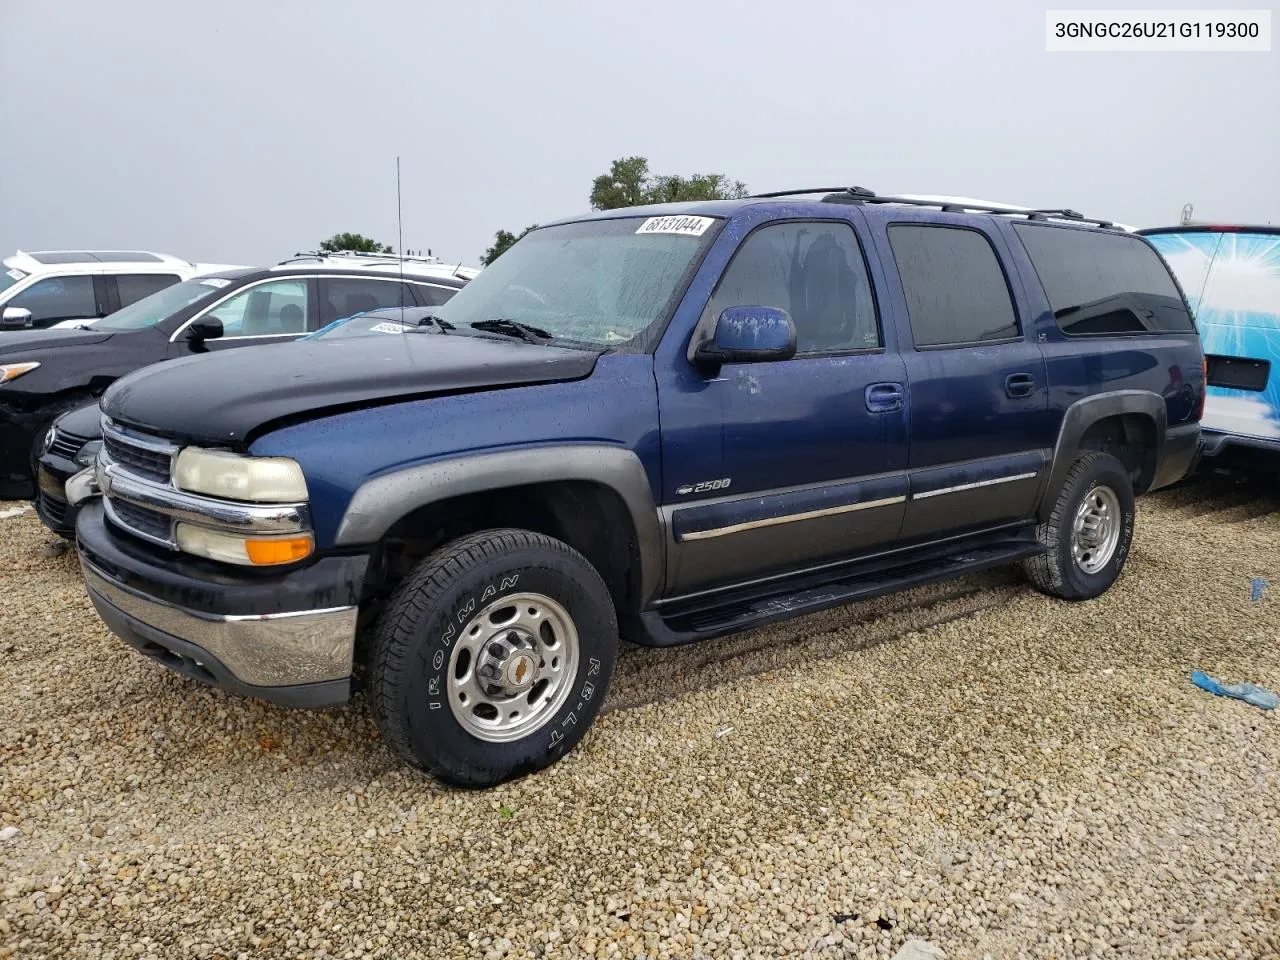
point(700, 620)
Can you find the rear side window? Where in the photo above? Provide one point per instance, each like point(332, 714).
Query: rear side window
point(132, 287)
point(955, 289)
point(1102, 284)
point(347, 296)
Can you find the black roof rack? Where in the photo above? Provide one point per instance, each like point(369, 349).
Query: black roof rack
point(363, 255)
point(863, 195)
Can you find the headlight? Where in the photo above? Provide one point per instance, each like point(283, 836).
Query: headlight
point(12, 371)
point(86, 454)
point(235, 477)
point(252, 551)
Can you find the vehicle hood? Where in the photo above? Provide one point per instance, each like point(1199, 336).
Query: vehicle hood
point(82, 421)
point(225, 397)
point(28, 341)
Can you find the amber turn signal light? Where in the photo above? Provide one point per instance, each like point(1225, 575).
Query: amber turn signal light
point(278, 550)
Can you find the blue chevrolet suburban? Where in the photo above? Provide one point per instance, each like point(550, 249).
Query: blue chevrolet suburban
point(661, 424)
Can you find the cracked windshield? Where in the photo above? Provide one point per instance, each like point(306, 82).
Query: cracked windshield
point(600, 282)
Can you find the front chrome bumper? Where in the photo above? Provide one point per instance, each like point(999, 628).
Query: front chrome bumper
point(257, 651)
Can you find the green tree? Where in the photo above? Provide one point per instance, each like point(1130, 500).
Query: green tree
point(625, 185)
point(354, 241)
point(629, 183)
point(502, 242)
point(700, 186)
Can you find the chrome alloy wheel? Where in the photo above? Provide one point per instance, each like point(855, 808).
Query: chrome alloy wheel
point(1096, 531)
point(512, 667)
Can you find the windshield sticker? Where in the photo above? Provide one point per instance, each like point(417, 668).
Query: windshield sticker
point(684, 226)
point(215, 282)
point(386, 328)
point(15, 274)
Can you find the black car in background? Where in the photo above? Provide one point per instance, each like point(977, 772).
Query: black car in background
point(75, 437)
point(70, 445)
point(44, 373)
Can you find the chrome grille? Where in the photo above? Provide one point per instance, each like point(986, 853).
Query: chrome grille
point(66, 445)
point(140, 497)
point(151, 464)
point(146, 459)
point(140, 521)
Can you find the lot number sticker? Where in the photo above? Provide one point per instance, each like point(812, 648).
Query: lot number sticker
point(684, 226)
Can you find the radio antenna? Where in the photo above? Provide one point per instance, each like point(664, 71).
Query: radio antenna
point(400, 234)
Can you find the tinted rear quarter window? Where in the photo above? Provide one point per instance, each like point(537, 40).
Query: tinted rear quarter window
point(1103, 284)
point(954, 286)
point(430, 295)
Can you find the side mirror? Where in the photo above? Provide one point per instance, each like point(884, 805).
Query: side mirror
point(749, 335)
point(15, 318)
point(206, 328)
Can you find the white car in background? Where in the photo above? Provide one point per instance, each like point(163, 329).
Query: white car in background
point(74, 288)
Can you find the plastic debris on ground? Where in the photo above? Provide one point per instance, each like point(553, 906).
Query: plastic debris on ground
point(1257, 587)
point(1248, 692)
point(915, 949)
point(14, 512)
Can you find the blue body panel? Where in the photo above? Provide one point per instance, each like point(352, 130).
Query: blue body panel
point(617, 404)
point(763, 467)
point(1169, 364)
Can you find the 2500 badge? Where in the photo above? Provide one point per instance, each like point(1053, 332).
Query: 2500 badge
point(706, 486)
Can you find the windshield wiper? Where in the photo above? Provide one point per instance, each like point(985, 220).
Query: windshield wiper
point(444, 325)
point(513, 328)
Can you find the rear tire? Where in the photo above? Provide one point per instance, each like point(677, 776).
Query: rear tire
point(1089, 532)
point(493, 657)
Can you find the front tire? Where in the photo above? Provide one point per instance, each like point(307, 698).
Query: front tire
point(494, 657)
point(1088, 534)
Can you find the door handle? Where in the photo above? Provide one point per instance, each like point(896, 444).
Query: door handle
point(1019, 384)
point(884, 397)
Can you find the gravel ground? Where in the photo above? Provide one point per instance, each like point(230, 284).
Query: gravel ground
point(971, 764)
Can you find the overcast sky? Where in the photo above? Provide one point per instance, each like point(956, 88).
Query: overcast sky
point(244, 130)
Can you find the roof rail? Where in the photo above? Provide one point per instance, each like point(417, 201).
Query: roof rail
point(361, 254)
point(863, 195)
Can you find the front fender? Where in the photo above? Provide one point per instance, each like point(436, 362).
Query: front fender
point(381, 501)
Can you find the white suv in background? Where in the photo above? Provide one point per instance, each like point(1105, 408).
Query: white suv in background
point(75, 287)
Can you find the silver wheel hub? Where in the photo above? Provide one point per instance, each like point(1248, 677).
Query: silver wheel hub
point(1095, 534)
point(512, 667)
point(508, 665)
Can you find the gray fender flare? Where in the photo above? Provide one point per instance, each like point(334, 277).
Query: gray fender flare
point(1083, 414)
point(383, 500)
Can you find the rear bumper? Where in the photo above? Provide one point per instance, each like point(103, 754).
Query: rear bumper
point(1234, 449)
point(288, 637)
